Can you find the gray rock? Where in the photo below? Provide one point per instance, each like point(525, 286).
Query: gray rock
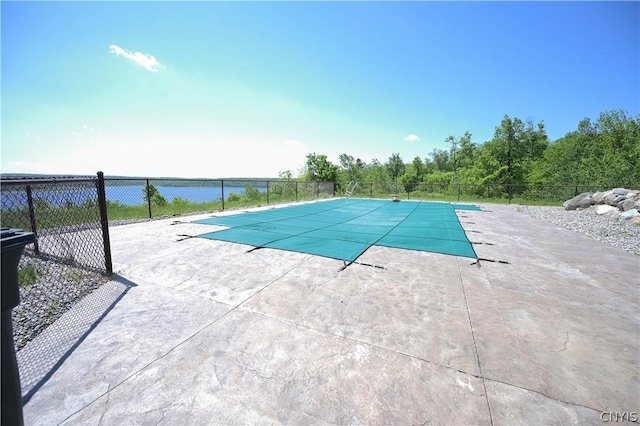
point(620, 191)
point(629, 214)
point(627, 204)
point(581, 201)
point(605, 210)
point(619, 199)
point(598, 197)
point(610, 199)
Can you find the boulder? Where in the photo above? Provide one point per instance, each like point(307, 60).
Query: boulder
point(581, 201)
point(635, 220)
point(598, 197)
point(620, 191)
point(619, 199)
point(629, 214)
point(628, 203)
point(633, 195)
point(605, 210)
point(610, 199)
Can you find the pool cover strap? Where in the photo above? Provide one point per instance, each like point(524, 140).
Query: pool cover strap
point(345, 228)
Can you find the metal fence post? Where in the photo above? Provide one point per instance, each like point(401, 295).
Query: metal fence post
point(222, 192)
point(148, 198)
point(267, 192)
point(32, 218)
point(104, 222)
point(296, 190)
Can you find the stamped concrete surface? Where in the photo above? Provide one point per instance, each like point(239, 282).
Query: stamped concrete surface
point(208, 332)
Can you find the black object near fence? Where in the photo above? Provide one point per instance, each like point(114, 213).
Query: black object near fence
point(13, 244)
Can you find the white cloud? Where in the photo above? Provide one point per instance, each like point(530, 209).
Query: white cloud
point(77, 134)
point(411, 138)
point(87, 127)
point(147, 61)
point(292, 143)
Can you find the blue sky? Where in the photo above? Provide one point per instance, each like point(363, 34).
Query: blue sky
point(217, 89)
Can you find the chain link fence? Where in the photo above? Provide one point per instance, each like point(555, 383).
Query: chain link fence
point(134, 199)
point(500, 193)
point(137, 199)
point(71, 255)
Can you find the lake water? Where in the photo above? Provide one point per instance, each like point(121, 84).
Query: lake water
point(132, 195)
point(128, 195)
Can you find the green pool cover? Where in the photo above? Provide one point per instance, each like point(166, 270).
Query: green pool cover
point(345, 228)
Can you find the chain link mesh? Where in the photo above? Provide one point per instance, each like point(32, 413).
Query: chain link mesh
point(66, 262)
point(489, 192)
point(130, 200)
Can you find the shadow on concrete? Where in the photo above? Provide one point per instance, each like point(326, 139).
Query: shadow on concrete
point(42, 357)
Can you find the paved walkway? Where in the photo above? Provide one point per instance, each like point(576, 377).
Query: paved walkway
point(196, 331)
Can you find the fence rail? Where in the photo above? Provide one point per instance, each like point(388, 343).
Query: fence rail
point(145, 198)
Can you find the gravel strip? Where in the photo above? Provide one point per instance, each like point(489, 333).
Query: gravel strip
point(51, 289)
point(613, 231)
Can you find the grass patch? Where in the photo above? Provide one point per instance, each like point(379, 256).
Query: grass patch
point(27, 276)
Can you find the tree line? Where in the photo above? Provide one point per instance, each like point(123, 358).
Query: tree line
point(601, 153)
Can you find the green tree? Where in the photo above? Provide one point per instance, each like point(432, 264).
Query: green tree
point(438, 178)
point(395, 167)
point(619, 137)
point(352, 169)
point(509, 157)
point(375, 172)
point(154, 195)
point(467, 151)
point(439, 160)
point(418, 168)
point(413, 175)
point(285, 186)
point(251, 193)
point(603, 153)
point(319, 169)
point(561, 162)
point(285, 175)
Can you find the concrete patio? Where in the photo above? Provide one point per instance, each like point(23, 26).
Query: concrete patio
point(196, 331)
